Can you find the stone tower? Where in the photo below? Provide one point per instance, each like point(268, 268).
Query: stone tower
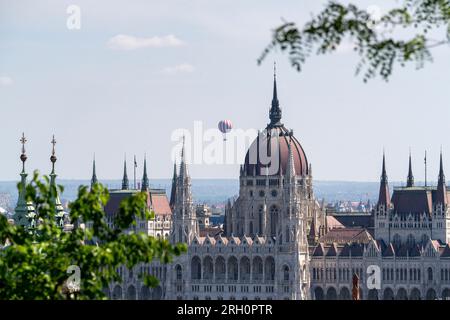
point(185, 224)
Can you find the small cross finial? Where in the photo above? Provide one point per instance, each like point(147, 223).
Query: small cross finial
point(53, 142)
point(23, 140)
point(274, 69)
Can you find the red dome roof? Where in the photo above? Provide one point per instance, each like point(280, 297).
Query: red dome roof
point(270, 153)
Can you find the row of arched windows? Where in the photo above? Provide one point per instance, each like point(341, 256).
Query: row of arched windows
point(145, 293)
point(402, 274)
point(332, 293)
point(231, 269)
point(335, 274)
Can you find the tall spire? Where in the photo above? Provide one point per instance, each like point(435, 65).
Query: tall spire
point(145, 182)
point(53, 160)
point(383, 197)
point(24, 210)
point(410, 179)
point(441, 187)
point(183, 166)
point(174, 185)
point(185, 220)
point(23, 156)
point(125, 182)
point(60, 215)
point(94, 174)
point(275, 111)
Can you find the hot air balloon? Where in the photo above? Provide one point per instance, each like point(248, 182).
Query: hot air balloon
point(225, 126)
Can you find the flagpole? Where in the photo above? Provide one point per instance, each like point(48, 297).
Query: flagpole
point(134, 167)
point(425, 160)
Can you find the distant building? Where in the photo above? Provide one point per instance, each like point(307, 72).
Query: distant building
point(407, 236)
point(263, 250)
point(25, 211)
point(159, 226)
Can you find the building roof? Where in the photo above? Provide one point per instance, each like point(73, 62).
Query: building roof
point(159, 202)
point(412, 200)
point(346, 235)
point(333, 223)
point(273, 144)
point(156, 200)
point(211, 231)
point(351, 220)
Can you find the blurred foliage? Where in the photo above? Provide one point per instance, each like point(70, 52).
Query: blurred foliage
point(379, 41)
point(34, 262)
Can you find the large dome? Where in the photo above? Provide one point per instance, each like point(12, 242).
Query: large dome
point(269, 153)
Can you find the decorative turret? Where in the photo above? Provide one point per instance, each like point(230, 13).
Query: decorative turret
point(383, 197)
point(410, 179)
point(275, 110)
point(290, 173)
point(173, 191)
point(441, 193)
point(125, 182)
point(185, 224)
point(145, 182)
point(24, 211)
point(60, 215)
point(94, 174)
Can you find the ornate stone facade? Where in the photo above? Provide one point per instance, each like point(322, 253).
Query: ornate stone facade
point(409, 244)
point(263, 251)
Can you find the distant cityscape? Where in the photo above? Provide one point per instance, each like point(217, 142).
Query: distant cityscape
point(343, 196)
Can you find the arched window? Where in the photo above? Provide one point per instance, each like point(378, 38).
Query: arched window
point(410, 240)
point(180, 234)
point(220, 268)
point(260, 216)
point(250, 227)
point(269, 268)
point(286, 273)
point(430, 274)
point(178, 272)
point(196, 268)
point(273, 220)
point(287, 235)
point(397, 240)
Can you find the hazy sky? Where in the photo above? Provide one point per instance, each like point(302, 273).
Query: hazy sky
point(138, 70)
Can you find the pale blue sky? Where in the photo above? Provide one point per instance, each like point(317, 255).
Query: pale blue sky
point(95, 98)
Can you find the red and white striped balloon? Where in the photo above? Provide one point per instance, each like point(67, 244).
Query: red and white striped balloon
point(225, 126)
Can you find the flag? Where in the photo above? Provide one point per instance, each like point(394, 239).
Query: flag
point(135, 163)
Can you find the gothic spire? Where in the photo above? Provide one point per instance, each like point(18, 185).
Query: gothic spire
point(125, 182)
point(145, 182)
point(410, 179)
point(23, 156)
point(441, 187)
point(53, 160)
point(383, 197)
point(183, 166)
point(174, 185)
point(94, 174)
point(275, 111)
point(23, 207)
point(59, 210)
